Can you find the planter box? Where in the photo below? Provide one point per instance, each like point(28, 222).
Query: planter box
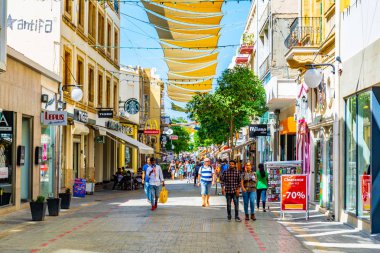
point(38, 210)
point(5, 199)
point(65, 200)
point(54, 205)
point(90, 188)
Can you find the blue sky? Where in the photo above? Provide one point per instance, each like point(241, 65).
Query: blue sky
point(135, 33)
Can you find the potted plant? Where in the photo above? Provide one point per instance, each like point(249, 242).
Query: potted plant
point(90, 185)
point(5, 197)
point(65, 199)
point(38, 208)
point(54, 205)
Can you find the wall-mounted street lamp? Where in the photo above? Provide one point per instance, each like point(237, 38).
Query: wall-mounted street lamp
point(76, 92)
point(313, 76)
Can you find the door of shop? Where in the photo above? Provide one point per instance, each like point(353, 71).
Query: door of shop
point(27, 167)
point(76, 155)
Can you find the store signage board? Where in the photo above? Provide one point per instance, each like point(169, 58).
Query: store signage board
point(173, 137)
point(6, 122)
point(366, 191)
point(132, 106)
point(105, 114)
point(258, 130)
point(294, 197)
point(54, 118)
point(151, 131)
point(80, 116)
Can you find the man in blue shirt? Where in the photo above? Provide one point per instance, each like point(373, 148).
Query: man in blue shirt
point(145, 180)
point(224, 166)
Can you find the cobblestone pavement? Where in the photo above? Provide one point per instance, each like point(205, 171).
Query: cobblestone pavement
point(111, 221)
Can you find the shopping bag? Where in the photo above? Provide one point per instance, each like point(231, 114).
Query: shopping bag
point(164, 195)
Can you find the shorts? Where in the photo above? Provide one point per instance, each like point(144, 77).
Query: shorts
point(205, 188)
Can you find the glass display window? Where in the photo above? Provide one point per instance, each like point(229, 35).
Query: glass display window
point(47, 171)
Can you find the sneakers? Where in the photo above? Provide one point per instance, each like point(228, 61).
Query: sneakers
point(153, 208)
point(264, 211)
point(229, 218)
point(237, 219)
point(155, 205)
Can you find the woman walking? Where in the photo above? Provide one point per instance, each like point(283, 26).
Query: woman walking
point(262, 186)
point(172, 168)
point(181, 171)
point(248, 186)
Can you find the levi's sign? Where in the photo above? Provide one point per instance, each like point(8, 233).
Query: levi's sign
point(54, 118)
point(258, 130)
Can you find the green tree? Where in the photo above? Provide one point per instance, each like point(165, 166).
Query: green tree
point(182, 144)
point(239, 97)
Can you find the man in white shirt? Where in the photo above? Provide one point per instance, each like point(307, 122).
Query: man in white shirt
point(206, 178)
point(156, 177)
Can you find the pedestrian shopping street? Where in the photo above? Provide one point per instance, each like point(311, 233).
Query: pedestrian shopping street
point(121, 221)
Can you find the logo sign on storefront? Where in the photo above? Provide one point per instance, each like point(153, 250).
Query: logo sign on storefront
point(258, 130)
point(151, 127)
point(151, 131)
point(173, 137)
point(80, 116)
point(125, 129)
point(54, 118)
point(6, 122)
point(294, 193)
point(105, 114)
point(132, 106)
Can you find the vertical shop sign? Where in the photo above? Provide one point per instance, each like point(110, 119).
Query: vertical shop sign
point(366, 191)
point(294, 193)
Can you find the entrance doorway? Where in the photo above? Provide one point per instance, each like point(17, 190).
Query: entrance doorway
point(26, 168)
point(76, 156)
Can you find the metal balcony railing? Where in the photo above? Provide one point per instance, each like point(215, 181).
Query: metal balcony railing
point(305, 32)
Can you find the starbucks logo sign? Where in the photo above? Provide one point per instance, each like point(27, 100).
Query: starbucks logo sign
point(132, 106)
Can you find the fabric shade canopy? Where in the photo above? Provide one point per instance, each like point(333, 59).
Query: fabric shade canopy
point(189, 33)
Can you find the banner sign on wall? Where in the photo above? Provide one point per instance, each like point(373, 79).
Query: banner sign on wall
point(294, 193)
point(258, 130)
point(6, 122)
point(54, 118)
point(366, 191)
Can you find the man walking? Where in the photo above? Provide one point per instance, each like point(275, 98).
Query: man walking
point(145, 180)
point(155, 179)
point(206, 178)
point(196, 170)
point(230, 181)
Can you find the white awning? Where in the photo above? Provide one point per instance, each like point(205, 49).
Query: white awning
point(80, 128)
point(144, 149)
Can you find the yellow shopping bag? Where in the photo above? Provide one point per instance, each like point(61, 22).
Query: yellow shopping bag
point(164, 195)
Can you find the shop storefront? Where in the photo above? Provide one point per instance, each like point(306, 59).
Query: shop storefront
point(288, 131)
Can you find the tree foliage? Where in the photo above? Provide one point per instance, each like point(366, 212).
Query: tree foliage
point(183, 142)
point(239, 97)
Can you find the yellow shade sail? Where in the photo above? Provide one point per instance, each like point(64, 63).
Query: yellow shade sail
point(179, 66)
point(204, 58)
point(190, 89)
point(207, 42)
point(202, 72)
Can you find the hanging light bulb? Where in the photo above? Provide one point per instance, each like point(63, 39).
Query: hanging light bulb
point(76, 94)
point(313, 77)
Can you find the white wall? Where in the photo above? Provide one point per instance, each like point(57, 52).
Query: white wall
point(33, 29)
point(129, 87)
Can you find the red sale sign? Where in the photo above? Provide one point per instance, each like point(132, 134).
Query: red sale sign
point(294, 193)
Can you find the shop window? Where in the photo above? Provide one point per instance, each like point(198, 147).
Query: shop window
point(109, 38)
point(91, 85)
point(80, 72)
point(108, 93)
point(100, 90)
point(101, 29)
point(81, 14)
point(47, 166)
point(116, 46)
point(92, 20)
point(358, 154)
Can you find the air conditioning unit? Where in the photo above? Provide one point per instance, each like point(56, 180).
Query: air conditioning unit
point(3, 35)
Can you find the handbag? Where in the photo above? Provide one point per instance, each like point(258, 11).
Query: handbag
point(164, 195)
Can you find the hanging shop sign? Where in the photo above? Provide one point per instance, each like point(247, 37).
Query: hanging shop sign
point(132, 106)
point(294, 193)
point(80, 116)
point(123, 128)
point(54, 118)
point(258, 130)
point(100, 139)
point(105, 114)
point(6, 122)
point(173, 137)
point(151, 127)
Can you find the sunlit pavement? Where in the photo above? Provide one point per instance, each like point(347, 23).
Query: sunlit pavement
point(114, 221)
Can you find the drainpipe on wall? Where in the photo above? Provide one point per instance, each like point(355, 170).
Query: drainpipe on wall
point(276, 136)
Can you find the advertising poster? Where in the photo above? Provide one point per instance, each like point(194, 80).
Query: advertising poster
point(79, 189)
point(366, 192)
point(294, 193)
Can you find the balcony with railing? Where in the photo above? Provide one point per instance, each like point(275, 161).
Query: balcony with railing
point(264, 67)
point(303, 41)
